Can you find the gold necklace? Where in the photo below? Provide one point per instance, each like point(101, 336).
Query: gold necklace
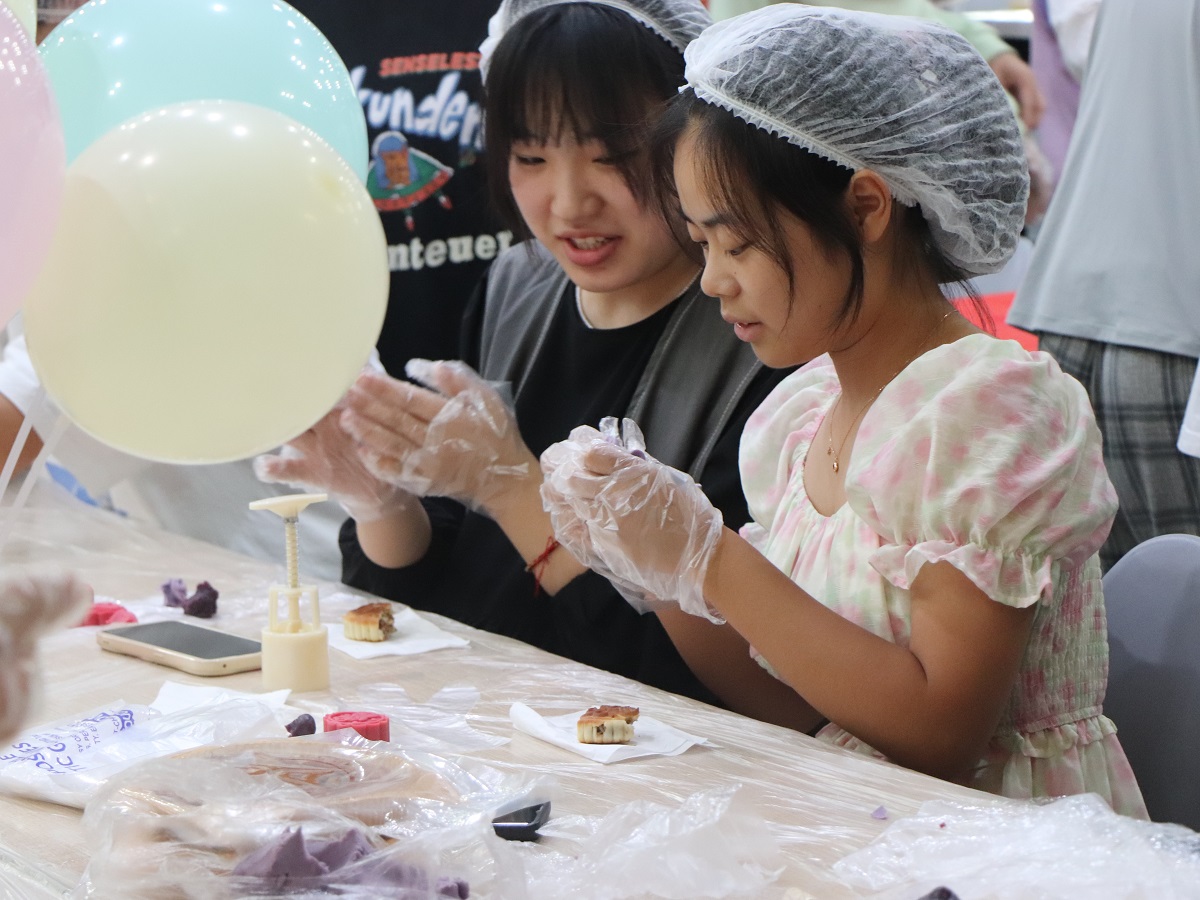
point(829, 451)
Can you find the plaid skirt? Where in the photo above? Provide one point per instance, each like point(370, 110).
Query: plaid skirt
point(1139, 397)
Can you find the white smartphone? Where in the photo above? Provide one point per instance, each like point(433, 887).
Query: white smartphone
point(184, 646)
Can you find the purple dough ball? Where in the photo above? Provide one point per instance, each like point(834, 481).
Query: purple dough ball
point(174, 592)
point(203, 603)
point(302, 724)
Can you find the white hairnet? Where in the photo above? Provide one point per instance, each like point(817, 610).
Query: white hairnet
point(905, 98)
point(678, 22)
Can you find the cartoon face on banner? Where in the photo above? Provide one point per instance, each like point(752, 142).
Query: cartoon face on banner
point(401, 177)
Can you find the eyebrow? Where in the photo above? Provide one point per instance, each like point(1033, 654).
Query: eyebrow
point(546, 139)
point(713, 221)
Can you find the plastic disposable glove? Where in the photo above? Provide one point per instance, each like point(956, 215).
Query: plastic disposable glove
point(645, 526)
point(456, 438)
point(31, 605)
point(325, 459)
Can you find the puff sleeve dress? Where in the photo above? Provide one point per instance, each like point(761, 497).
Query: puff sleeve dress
point(985, 456)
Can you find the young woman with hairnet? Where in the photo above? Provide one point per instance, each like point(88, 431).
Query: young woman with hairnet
point(927, 500)
point(598, 313)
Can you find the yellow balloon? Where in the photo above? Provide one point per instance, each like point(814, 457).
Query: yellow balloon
point(218, 278)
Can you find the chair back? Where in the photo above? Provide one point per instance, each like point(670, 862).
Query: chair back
point(1152, 598)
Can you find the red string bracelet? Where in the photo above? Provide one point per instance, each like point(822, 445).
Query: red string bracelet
point(538, 565)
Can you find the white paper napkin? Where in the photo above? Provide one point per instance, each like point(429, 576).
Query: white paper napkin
point(413, 635)
point(174, 696)
point(651, 737)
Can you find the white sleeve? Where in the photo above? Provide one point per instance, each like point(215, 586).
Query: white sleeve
point(1073, 21)
point(95, 465)
point(18, 382)
point(1189, 432)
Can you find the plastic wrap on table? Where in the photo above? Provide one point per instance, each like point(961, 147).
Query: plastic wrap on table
point(554, 687)
point(439, 725)
point(799, 820)
point(828, 806)
point(711, 845)
point(1070, 847)
point(816, 800)
point(19, 882)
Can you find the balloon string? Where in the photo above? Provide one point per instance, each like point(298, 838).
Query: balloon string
point(22, 438)
point(39, 465)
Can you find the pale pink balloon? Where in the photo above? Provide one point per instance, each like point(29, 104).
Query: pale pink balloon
point(32, 163)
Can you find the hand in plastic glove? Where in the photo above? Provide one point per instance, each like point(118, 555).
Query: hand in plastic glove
point(1041, 181)
point(644, 525)
point(325, 459)
point(30, 606)
point(458, 438)
point(1018, 79)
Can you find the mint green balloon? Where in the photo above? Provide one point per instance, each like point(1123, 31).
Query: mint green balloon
point(112, 60)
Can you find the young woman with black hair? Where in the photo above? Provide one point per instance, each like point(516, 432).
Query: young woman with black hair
point(598, 313)
point(927, 500)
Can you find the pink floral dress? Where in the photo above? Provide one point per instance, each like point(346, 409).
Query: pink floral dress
point(985, 456)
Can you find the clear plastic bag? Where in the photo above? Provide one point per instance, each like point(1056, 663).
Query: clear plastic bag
point(710, 845)
point(440, 725)
point(180, 826)
point(1071, 847)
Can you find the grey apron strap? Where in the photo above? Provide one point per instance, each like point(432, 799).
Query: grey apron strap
point(695, 379)
point(524, 284)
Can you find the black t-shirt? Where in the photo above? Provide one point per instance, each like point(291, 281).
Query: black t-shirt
point(472, 572)
point(415, 65)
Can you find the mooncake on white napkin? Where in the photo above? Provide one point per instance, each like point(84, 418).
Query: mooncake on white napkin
point(651, 737)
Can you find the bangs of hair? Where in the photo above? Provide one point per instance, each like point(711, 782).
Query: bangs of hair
point(581, 72)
